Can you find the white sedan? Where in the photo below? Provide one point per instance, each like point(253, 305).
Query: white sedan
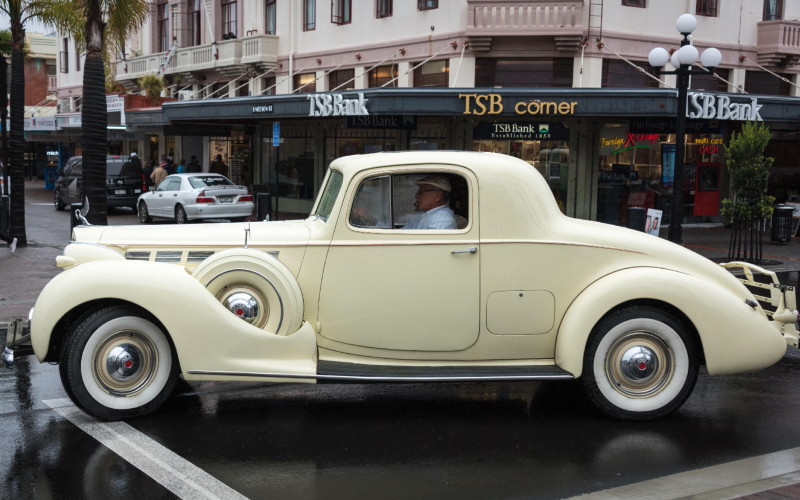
point(184, 197)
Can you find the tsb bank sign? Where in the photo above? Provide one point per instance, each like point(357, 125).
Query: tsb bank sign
point(336, 105)
point(709, 106)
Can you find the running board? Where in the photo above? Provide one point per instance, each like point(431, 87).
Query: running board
point(335, 372)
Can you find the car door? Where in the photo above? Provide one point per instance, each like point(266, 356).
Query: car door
point(389, 288)
point(156, 202)
point(170, 198)
point(62, 183)
point(75, 180)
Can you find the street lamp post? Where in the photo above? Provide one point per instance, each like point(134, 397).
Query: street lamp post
point(682, 60)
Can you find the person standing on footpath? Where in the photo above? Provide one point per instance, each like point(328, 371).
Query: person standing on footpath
point(181, 167)
point(194, 167)
point(218, 167)
point(160, 173)
point(147, 170)
point(170, 167)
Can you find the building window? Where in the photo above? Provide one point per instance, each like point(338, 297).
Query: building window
point(759, 82)
point(341, 11)
point(270, 10)
point(77, 58)
point(707, 8)
point(540, 72)
point(268, 83)
point(427, 4)
point(381, 75)
point(384, 9)
point(619, 74)
point(194, 21)
point(306, 81)
point(309, 15)
point(633, 3)
point(707, 81)
point(229, 17)
point(343, 78)
point(64, 56)
point(773, 10)
point(162, 11)
point(432, 74)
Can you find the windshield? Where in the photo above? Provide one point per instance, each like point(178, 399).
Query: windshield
point(329, 195)
point(209, 181)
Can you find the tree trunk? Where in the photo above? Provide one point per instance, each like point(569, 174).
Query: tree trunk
point(94, 117)
point(3, 118)
point(17, 157)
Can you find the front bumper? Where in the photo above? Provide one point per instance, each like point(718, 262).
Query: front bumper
point(18, 341)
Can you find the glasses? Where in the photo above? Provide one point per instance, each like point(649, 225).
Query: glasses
point(421, 191)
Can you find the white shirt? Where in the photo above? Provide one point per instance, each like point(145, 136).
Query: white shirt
point(441, 217)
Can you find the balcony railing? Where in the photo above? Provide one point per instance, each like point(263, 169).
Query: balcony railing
point(232, 59)
point(562, 19)
point(778, 43)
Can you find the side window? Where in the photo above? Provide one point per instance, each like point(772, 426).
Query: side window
point(174, 184)
point(76, 168)
point(164, 185)
point(424, 200)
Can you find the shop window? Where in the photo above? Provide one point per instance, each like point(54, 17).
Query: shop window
point(773, 10)
point(383, 74)
point(342, 78)
point(268, 83)
point(233, 151)
point(289, 171)
point(341, 142)
point(432, 74)
point(760, 82)
point(229, 17)
point(305, 84)
point(270, 10)
point(707, 8)
point(619, 74)
point(384, 9)
point(162, 18)
point(427, 4)
point(309, 15)
point(707, 81)
point(633, 3)
point(341, 12)
point(194, 21)
point(537, 73)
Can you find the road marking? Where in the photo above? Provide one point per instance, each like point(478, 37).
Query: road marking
point(175, 473)
point(719, 482)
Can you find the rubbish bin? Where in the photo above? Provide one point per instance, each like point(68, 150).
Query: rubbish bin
point(636, 218)
point(50, 177)
point(263, 205)
point(781, 223)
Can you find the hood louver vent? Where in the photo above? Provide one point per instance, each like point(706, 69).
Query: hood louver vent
point(198, 256)
point(169, 256)
point(137, 255)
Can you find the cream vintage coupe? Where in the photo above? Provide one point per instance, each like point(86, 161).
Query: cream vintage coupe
point(509, 289)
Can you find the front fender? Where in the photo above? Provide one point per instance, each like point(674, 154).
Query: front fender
point(206, 335)
point(736, 338)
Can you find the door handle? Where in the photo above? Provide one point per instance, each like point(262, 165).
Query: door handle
point(468, 250)
point(176, 194)
point(160, 195)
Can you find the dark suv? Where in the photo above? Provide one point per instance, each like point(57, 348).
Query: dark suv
point(124, 181)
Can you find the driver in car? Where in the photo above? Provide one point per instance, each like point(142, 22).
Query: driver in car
point(431, 204)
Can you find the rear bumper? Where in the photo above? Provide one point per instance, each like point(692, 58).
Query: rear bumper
point(219, 210)
point(128, 200)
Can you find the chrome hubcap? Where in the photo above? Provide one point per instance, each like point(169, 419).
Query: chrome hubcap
point(125, 363)
point(243, 305)
point(639, 364)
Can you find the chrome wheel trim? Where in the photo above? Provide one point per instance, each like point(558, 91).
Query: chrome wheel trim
point(266, 315)
point(639, 364)
point(125, 363)
point(254, 305)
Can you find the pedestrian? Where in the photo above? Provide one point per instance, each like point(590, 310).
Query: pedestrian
point(181, 167)
point(148, 171)
point(12, 242)
point(160, 173)
point(218, 167)
point(194, 167)
point(170, 167)
point(132, 167)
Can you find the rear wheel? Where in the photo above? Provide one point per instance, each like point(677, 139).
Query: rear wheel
point(144, 214)
point(180, 215)
point(117, 363)
point(640, 364)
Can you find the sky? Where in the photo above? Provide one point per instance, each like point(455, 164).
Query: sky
point(30, 27)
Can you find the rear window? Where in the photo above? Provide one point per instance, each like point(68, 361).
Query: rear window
point(209, 181)
point(114, 166)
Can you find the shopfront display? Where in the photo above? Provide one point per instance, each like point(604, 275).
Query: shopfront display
point(236, 153)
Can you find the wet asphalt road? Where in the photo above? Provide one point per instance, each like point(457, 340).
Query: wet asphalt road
point(493, 440)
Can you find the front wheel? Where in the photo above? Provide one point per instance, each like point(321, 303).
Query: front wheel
point(117, 363)
point(57, 202)
point(640, 364)
point(144, 215)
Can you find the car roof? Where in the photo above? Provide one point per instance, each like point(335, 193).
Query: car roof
point(482, 163)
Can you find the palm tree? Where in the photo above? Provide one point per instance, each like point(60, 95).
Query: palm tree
point(5, 50)
point(54, 13)
point(105, 26)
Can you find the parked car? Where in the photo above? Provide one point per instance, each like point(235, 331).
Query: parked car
point(124, 182)
point(185, 197)
point(510, 290)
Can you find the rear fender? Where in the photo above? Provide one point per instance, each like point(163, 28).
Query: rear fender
point(206, 335)
point(736, 338)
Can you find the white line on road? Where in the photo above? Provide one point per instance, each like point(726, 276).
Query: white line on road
point(42, 204)
point(719, 482)
point(175, 473)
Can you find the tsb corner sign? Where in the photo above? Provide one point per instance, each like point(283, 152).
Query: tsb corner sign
point(709, 106)
point(336, 105)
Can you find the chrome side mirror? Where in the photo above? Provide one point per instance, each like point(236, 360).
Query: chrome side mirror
point(152, 189)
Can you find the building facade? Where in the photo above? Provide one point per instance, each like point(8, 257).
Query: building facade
point(434, 74)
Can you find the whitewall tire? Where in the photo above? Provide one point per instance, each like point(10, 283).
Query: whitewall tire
point(640, 364)
point(117, 363)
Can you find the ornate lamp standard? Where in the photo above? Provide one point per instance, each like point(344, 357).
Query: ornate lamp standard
point(682, 60)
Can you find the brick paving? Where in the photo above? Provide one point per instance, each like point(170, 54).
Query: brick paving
point(790, 492)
